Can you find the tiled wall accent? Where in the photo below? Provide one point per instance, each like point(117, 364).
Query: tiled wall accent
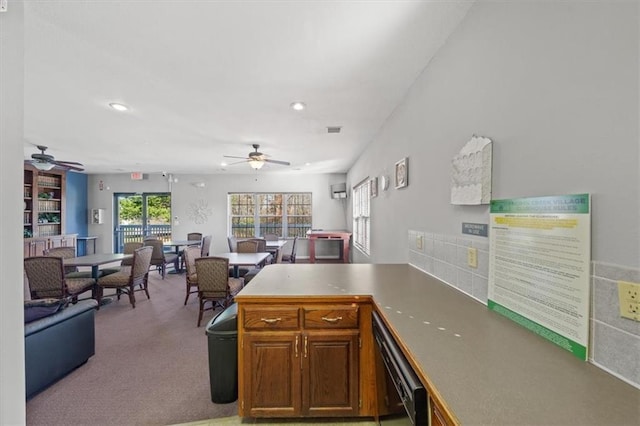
point(445, 257)
point(615, 341)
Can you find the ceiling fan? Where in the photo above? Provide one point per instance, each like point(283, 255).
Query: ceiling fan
point(42, 161)
point(257, 159)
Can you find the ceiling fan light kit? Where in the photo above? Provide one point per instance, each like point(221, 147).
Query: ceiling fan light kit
point(43, 166)
point(43, 161)
point(256, 159)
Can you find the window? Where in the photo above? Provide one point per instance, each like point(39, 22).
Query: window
point(286, 215)
point(361, 216)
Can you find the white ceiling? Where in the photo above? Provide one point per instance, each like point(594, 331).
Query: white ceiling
point(208, 78)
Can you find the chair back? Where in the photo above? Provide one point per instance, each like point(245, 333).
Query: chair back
point(46, 277)
point(206, 245)
point(292, 257)
point(279, 255)
point(270, 237)
point(150, 237)
point(262, 244)
point(190, 254)
point(233, 244)
point(247, 246)
point(141, 263)
point(194, 236)
point(129, 248)
point(63, 253)
point(158, 251)
point(213, 276)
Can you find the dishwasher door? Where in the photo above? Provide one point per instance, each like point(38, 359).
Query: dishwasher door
point(403, 387)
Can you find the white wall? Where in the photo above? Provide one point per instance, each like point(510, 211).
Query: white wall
point(12, 386)
point(327, 213)
point(555, 85)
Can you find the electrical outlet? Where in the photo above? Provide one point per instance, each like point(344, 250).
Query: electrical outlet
point(472, 257)
point(629, 297)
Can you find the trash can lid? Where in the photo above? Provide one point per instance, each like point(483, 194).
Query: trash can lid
point(225, 321)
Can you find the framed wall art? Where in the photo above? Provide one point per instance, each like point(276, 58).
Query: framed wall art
point(402, 173)
point(373, 187)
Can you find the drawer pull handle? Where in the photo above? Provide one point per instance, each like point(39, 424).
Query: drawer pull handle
point(332, 320)
point(271, 320)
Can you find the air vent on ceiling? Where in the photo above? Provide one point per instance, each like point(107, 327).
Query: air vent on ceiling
point(334, 129)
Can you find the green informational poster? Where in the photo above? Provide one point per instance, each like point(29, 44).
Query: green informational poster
point(539, 267)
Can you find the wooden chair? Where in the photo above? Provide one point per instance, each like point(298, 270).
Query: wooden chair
point(233, 244)
point(47, 279)
point(67, 253)
point(206, 245)
point(247, 246)
point(270, 237)
point(191, 236)
point(291, 258)
point(126, 281)
point(190, 254)
point(160, 259)
point(214, 284)
point(129, 248)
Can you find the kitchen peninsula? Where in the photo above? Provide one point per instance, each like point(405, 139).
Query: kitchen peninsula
point(477, 366)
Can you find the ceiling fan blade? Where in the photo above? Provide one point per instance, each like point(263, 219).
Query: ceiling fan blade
point(233, 156)
point(75, 163)
point(67, 166)
point(238, 162)
point(284, 163)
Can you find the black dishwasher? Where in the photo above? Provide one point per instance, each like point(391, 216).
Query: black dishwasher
point(410, 390)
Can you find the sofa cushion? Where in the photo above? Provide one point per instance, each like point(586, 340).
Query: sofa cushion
point(40, 308)
point(62, 314)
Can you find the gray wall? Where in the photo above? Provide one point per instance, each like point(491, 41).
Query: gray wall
point(12, 389)
point(555, 86)
point(327, 213)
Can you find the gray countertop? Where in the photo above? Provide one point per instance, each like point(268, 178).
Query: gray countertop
point(487, 369)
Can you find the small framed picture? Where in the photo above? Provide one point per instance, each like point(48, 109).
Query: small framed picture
point(402, 173)
point(373, 187)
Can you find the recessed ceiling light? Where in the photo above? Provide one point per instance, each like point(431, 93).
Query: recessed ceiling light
point(119, 107)
point(298, 106)
point(223, 164)
point(307, 164)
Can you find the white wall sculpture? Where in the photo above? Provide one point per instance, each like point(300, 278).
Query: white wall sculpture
point(471, 173)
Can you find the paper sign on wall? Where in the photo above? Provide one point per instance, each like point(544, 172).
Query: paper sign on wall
point(539, 267)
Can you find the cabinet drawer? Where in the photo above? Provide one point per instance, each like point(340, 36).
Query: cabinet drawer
point(271, 318)
point(331, 317)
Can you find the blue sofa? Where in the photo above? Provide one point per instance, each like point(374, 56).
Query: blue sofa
point(57, 344)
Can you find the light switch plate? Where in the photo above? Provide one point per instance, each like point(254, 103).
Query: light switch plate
point(629, 298)
point(472, 257)
point(419, 242)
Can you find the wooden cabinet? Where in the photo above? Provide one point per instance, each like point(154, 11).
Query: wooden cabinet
point(299, 360)
point(38, 245)
point(438, 417)
point(44, 202)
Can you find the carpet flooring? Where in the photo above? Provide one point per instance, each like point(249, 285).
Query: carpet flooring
point(150, 368)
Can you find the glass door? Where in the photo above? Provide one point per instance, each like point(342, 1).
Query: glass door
point(139, 215)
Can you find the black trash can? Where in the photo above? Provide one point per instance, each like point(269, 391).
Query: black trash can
point(222, 334)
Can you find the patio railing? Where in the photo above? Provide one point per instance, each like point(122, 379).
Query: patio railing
point(132, 233)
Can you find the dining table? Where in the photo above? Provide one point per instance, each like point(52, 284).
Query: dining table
point(243, 259)
point(95, 261)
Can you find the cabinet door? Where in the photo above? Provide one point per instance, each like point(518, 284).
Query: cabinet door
point(330, 373)
point(272, 381)
point(34, 247)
